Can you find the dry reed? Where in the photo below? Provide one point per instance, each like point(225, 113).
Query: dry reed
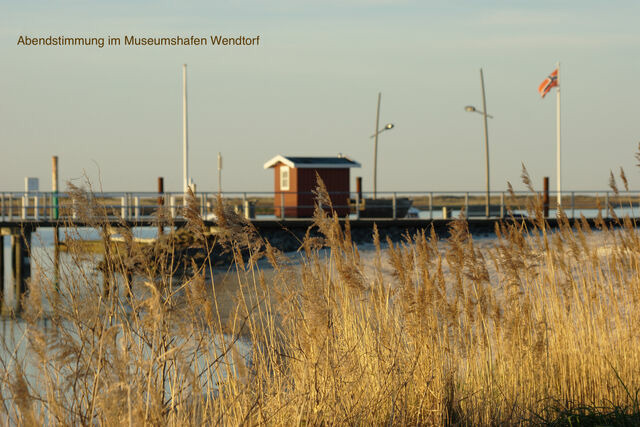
point(522, 332)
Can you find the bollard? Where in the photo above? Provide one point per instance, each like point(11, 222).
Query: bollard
point(430, 205)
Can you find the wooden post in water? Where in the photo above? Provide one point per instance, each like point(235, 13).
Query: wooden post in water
point(545, 196)
point(54, 185)
point(160, 206)
point(55, 215)
point(358, 196)
point(21, 265)
point(56, 257)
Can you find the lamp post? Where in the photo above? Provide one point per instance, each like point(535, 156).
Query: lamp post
point(375, 145)
point(472, 109)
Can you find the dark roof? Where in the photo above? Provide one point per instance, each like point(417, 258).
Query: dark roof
point(321, 160)
point(313, 162)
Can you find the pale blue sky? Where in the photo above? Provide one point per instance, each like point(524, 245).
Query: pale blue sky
point(310, 88)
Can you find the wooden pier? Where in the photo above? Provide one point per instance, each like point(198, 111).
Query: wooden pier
point(23, 213)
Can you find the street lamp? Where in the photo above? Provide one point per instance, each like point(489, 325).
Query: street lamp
point(472, 109)
point(375, 145)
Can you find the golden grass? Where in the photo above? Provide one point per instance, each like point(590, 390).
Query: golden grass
point(538, 323)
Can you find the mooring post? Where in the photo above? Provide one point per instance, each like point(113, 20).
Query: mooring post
point(545, 196)
point(21, 263)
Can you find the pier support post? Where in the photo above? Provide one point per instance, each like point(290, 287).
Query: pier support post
point(21, 265)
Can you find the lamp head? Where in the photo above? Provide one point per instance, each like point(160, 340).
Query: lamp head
point(389, 126)
point(470, 108)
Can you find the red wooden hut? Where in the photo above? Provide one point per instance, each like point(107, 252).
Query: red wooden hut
point(295, 180)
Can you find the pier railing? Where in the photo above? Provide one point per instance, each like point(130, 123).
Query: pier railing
point(133, 206)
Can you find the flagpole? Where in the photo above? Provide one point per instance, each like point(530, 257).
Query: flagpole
point(185, 145)
point(558, 168)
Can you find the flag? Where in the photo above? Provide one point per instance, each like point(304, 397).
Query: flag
point(548, 83)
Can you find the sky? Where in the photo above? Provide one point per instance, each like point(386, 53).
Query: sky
point(114, 115)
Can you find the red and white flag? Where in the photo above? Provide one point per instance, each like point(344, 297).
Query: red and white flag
point(548, 83)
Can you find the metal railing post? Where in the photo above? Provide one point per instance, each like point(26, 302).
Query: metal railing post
point(573, 205)
point(136, 209)
point(282, 205)
point(123, 207)
point(466, 205)
point(357, 205)
point(25, 204)
point(393, 206)
point(431, 205)
point(36, 208)
point(10, 207)
point(172, 206)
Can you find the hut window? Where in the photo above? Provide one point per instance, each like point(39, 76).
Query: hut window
point(284, 177)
